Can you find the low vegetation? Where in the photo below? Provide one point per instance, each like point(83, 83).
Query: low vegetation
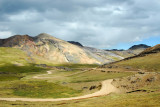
point(94, 75)
point(149, 63)
point(71, 65)
point(41, 89)
point(13, 56)
point(10, 77)
point(16, 80)
point(13, 72)
point(113, 100)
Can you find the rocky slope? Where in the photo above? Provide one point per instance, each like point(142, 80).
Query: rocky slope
point(75, 43)
point(100, 55)
point(56, 50)
point(132, 51)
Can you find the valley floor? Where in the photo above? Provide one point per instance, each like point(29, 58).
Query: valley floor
point(106, 88)
point(34, 90)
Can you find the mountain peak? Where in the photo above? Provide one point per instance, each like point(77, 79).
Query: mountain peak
point(47, 36)
point(15, 40)
point(44, 35)
point(19, 36)
point(140, 46)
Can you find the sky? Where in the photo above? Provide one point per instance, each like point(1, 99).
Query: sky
point(103, 24)
point(151, 41)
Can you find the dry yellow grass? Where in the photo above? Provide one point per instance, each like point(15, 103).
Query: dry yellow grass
point(150, 62)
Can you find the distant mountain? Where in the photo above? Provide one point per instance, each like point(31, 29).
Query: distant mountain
point(100, 55)
point(146, 60)
point(58, 51)
point(140, 46)
point(155, 49)
point(148, 51)
point(132, 51)
point(114, 49)
point(75, 43)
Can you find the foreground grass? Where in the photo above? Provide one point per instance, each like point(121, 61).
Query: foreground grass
point(11, 72)
point(150, 62)
point(35, 89)
point(10, 77)
point(41, 89)
point(114, 100)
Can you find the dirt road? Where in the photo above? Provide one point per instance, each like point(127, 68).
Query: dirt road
point(38, 76)
point(106, 88)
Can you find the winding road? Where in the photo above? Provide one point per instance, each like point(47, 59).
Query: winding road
point(106, 88)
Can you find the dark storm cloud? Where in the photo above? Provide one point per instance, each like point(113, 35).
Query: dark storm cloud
point(98, 23)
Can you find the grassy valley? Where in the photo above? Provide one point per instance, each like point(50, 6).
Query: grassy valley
point(23, 76)
point(150, 63)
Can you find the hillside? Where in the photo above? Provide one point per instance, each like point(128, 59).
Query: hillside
point(132, 51)
point(56, 50)
point(22, 79)
point(147, 60)
point(151, 50)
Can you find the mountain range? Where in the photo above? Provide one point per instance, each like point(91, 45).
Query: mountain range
point(57, 50)
point(147, 60)
point(132, 51)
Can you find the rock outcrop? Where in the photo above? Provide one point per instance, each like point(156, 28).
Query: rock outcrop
point(75, 43)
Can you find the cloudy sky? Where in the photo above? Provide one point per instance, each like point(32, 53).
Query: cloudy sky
point(96, 23)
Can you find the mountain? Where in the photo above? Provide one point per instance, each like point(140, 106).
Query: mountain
point(140, 46)
point(57, 50)
point(100, 55)
point(146, 60)
point(132, 51)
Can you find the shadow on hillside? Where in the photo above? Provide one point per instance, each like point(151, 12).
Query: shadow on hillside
point(13, 72)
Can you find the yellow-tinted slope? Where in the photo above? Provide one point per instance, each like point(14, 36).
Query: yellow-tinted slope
point(149, 62)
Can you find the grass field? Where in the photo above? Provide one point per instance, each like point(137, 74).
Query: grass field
point(150, 62)
point(13, 72)
point(40, 89)
point(16, 80)
point(61, 84)
point(71, 65)
point(16, 65)
point(94, 75)
point(12, 56)
point(113, 100)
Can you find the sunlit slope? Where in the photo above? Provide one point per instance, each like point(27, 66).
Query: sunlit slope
point(57, 50)
point(13, 56)
point(148, 60)
point(18, 57)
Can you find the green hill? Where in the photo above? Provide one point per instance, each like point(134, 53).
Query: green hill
point(148, 60)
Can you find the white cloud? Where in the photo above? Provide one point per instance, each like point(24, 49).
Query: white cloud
point(30, 15)
point(98, 23)
point(4, 34)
